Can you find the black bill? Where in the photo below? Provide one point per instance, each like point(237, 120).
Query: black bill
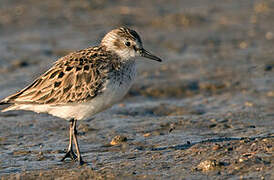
point(146, 54)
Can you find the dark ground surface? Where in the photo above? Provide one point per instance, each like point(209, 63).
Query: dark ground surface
point(206, 112)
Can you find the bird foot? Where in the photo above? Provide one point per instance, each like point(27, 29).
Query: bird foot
point(81, 162)
point(70, 154)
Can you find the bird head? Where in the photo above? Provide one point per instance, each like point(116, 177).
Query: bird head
point(127, 44)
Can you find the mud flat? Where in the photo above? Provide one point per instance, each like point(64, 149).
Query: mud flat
point(205, 112)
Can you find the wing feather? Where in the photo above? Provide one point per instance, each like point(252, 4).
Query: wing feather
point(77, 77)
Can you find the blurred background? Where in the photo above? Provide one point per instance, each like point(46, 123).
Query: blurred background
point(216, 82)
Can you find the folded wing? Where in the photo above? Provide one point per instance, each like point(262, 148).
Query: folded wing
point(77, 77)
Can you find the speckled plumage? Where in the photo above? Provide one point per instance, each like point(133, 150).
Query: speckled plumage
point(84, 82)
point(75, 78)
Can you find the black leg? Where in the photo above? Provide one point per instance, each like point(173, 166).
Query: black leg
point(70, 153)
point(79, 157)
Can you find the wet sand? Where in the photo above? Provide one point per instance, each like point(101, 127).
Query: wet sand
point(206, 112)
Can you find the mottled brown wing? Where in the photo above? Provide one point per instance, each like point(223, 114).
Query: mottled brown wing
point(77, 77)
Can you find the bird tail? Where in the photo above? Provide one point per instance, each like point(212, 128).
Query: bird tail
point(5, 104)
point(10, 108)
point(4, 101)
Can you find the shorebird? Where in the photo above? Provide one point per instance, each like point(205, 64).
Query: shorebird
point(84, 82)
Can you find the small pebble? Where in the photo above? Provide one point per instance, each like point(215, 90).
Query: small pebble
point(147, 134)
point(20, 63)
point(118, 140)
point(268, 68)
point(208, 165)
point(216, 147)
point(248, 104)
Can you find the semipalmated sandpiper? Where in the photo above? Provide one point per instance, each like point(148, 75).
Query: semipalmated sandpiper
point(84, 82)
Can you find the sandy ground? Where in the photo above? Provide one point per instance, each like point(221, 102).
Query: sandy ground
point(206, 112)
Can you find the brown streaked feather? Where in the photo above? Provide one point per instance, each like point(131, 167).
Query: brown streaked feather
point(75, 78)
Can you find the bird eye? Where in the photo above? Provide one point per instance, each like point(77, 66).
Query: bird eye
point(127, 43)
